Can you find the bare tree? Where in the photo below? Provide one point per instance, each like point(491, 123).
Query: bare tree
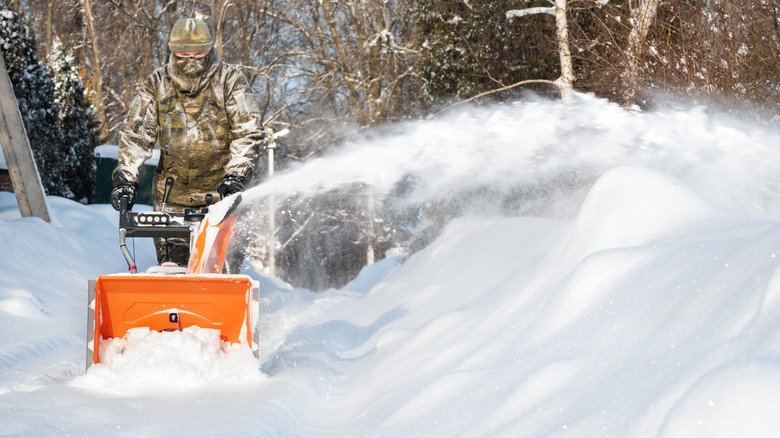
point(558, 9)
point(358, 55)
point(642, 16)
point(49, 12)
point(219, 11)
point(97, 75)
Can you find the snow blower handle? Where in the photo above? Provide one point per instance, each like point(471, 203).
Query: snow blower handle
point(123, 201)
point(124, 218)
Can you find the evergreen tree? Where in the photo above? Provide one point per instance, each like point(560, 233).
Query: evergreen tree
point(34, 91)
point(75, 118)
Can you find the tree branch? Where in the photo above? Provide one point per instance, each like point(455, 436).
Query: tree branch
point(517, 13)
point(508, 87)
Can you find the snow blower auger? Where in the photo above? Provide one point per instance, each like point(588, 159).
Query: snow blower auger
point(168, 298)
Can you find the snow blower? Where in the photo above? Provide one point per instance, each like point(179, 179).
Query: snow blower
point(168, 297)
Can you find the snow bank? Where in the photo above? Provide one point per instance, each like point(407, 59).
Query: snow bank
point(648, 312)
point(599, 327)
point(631, 207)
point(111, 151)
point(735, 400)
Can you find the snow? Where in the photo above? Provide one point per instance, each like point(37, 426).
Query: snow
point(149, 362)
point(111, 151)
point(646, 303)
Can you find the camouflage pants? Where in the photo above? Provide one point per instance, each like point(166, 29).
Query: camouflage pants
point(172, 250)
point(176, 250)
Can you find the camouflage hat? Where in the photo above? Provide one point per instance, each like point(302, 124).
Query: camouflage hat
point(190, 35)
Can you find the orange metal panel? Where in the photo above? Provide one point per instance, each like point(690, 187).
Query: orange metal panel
point(211, 244)
point(219, 302)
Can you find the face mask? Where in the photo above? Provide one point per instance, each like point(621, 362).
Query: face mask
point(191, 67)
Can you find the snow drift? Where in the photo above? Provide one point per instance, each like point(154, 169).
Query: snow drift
point(654, 310)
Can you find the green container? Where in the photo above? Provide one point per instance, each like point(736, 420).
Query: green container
point(106, 160)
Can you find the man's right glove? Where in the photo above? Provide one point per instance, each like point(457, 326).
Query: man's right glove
point(123, 188)
point(234, 183)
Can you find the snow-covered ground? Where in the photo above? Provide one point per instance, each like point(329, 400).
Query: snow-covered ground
point(646, 304)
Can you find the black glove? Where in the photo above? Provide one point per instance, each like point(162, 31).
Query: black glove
point(234, 183)
point(123, 188)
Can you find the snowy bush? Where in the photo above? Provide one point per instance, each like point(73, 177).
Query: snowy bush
point(75, 115)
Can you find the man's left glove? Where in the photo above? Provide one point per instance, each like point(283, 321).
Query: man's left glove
point(123, 188)
point(233, 183)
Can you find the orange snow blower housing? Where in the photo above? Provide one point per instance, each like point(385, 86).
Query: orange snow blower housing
point(170, 298)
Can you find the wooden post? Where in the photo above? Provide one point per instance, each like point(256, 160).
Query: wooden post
point(18, 155)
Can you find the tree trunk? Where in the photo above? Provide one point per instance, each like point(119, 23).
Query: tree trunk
point(343, 63)
point(641, 18)
point(97, 76)
point(218, 13)
point(370, 254)
point(49, 8)
point(566, 81)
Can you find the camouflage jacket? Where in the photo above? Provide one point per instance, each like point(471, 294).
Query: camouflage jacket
point(204, 128)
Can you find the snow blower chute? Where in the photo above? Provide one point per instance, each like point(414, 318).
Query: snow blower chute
point(168, 298)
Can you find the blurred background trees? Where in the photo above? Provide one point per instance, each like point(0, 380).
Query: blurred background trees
point(330, 70)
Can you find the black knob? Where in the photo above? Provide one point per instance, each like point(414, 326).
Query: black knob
point(168, 188)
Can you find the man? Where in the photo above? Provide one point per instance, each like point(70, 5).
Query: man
point(201, 114)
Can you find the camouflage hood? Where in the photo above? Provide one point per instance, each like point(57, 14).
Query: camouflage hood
point(204, 130)
point(200, 71)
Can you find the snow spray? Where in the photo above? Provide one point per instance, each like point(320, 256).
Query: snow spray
point(540, 156)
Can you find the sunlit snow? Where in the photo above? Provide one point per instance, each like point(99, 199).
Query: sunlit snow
point(639, 296)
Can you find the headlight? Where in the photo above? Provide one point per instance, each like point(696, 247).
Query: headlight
point(154, 218)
